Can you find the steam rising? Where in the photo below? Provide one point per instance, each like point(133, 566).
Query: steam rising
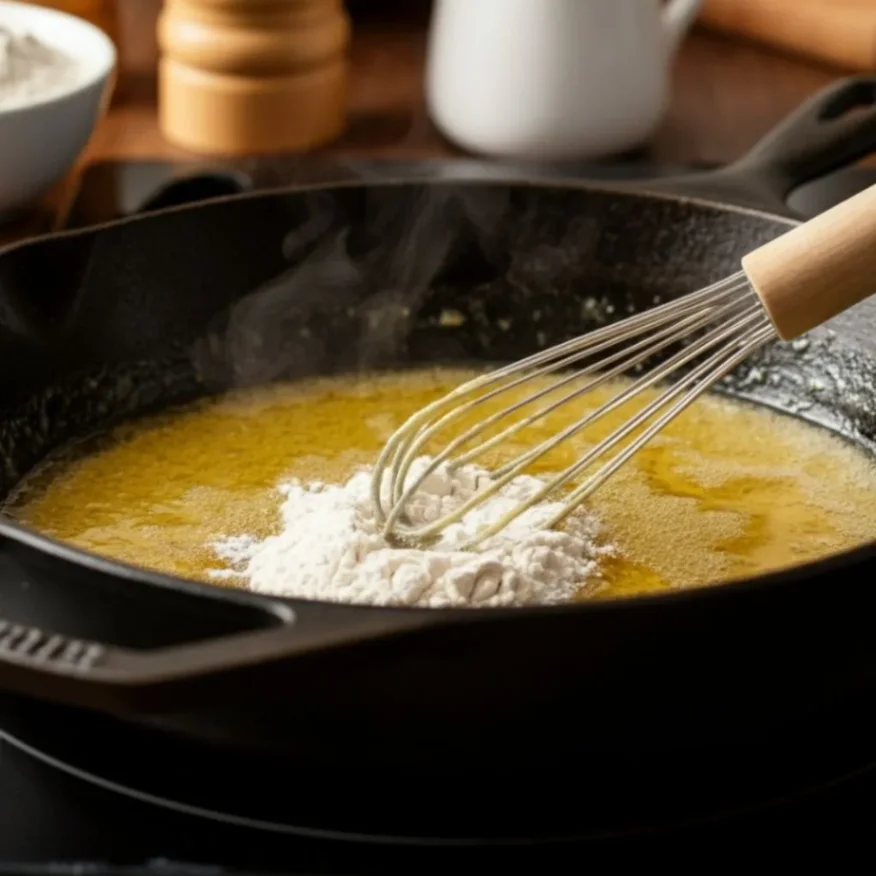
point(355, 285)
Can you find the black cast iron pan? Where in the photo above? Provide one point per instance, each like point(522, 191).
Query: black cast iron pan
point(139, 314)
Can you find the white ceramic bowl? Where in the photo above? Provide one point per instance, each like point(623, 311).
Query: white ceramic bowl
point(41, 139)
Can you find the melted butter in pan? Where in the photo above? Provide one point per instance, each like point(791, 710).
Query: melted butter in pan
point(728, 490)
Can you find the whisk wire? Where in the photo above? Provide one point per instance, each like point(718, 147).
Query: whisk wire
point(413, 439)
point(715, 367)
point(724, 321)
point(413, 447)
point(722, 369)
point(517, 466)
point(665, 338)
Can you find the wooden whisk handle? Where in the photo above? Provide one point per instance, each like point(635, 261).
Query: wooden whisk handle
point(818, 269)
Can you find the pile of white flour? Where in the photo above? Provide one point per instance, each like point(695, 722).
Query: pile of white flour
point(30, 69)
point(330, 547)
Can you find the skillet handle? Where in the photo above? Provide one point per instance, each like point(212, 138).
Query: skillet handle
point(829, 131)
point(191, 644)
point(93, 675)
point(832, 129)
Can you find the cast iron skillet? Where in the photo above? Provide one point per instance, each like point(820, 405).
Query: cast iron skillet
point(137, 315)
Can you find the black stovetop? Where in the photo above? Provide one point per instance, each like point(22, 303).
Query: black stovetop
point(81, 795)
point(82, 790)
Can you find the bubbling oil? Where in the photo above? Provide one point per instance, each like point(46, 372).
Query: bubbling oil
point(727, 490)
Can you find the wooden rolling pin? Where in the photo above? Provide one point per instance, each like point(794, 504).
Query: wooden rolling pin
point(837, 32)
point(252, 76)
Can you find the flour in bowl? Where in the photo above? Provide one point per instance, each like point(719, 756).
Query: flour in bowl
point(30, 69)
point(330, 547)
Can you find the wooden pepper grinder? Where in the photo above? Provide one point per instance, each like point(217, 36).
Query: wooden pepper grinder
point(251, 76)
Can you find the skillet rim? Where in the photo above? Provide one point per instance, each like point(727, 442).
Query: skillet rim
point(283, 607)
point(614, 187)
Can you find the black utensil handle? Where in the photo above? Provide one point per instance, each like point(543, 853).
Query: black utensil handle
point(829, 131)
point(193, 189)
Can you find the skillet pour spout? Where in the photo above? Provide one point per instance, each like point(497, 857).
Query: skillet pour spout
point(115, 321)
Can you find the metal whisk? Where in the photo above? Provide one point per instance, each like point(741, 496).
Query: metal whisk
point(785, 288)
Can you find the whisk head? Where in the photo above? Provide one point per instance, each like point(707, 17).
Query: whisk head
point(714, 330)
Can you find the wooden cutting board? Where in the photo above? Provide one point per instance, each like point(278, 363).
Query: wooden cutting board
point(838, 32)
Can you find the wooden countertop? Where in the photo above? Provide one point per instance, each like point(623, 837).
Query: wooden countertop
point(726, 94)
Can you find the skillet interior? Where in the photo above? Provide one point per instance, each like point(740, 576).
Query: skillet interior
point(122, 320)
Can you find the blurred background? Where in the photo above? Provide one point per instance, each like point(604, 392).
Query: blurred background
point(732, 70)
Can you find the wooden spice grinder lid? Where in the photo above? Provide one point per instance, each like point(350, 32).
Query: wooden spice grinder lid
point(249, 76)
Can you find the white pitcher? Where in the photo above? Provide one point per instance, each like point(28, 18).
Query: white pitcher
point(552, 79)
